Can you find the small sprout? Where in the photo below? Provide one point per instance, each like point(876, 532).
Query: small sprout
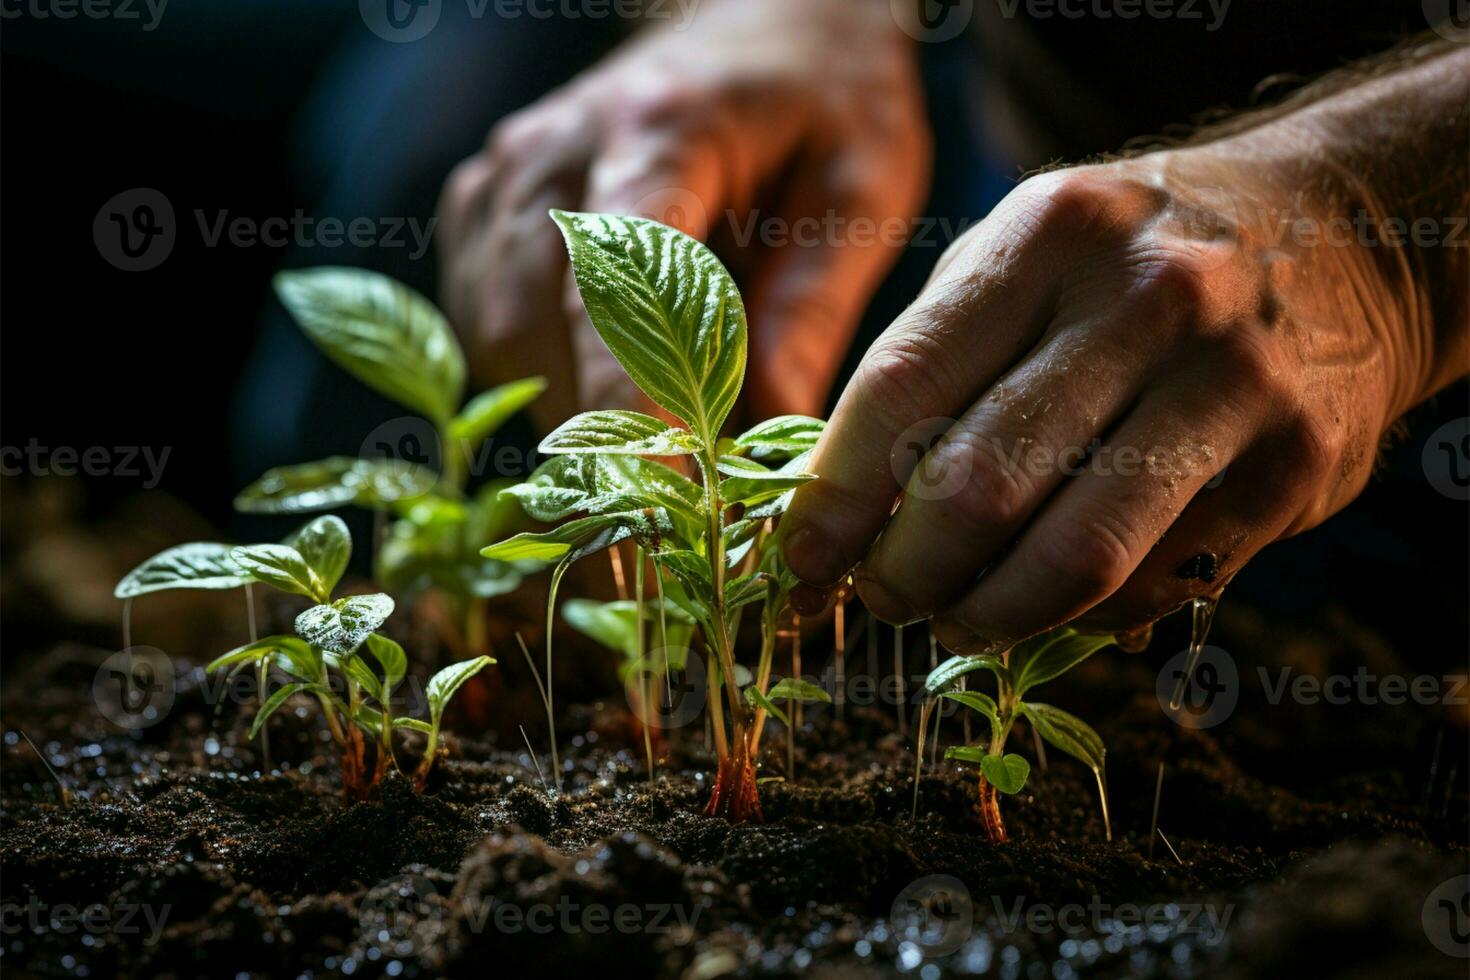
point(1022, 668)
point(441, 688)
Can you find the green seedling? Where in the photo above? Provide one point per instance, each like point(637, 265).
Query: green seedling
point(1017, 672)
point(325, 660)
point(672, 316)
point(396, 342)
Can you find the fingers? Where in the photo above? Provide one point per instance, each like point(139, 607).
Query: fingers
point(1092, 535)
point(971, 323)
point(978, 486)
point(808, 291)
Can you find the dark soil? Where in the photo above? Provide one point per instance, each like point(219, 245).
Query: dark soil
point(1308, 839)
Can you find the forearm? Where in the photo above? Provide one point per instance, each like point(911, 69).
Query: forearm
point(1364, 179)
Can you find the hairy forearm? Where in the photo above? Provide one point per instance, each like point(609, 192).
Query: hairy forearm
point(1364, 177)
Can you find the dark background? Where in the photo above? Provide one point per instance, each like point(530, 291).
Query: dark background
point(267, 107)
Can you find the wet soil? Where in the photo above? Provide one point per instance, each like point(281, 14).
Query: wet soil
point(1301, 841)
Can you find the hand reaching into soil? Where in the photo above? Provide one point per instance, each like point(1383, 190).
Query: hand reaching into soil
point(811, 110)
point(1085, 363)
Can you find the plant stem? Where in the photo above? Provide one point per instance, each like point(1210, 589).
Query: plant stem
point(645, 687)
point(452, 465)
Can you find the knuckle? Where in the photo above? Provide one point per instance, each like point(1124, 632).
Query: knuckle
point(993, 496)
point(900, 380)
point(464, 186)
point(1313, 447)
point(1092, 556)
point(1170, 287)
point(1250, 365)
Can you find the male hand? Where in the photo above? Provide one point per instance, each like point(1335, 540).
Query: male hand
point(803, 110)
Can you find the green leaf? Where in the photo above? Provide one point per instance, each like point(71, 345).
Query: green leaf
point(390, 657)
point(976, 701)
point(667, 310)
point(691, 571)
point(414, 725)
point(274, 702)
point(618, 431)
point(326, 545)
point(756, 699)
point(1067, 732)
point(1044, 657)
point(749, 483)
point(789, 433)
point(198, 565)
point(651, 484)
point(1006, 773)
point(613, 624)
point(443, 684)
point(582, 537)
point(335, 482)
point(796, 689)
point(293, 654)
point(388, 336)
point(966, 753)
point(342, 626)
point(362, 675)
point(745, 590)
point(282, 567)
point(491, 409)
point(954, 668)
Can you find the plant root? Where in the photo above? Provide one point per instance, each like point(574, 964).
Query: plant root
point(736, 796)
point(989, 807)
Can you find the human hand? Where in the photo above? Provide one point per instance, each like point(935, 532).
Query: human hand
point(807, 109)
point(1079, 370)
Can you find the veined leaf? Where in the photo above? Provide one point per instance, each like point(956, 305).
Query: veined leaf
point(388, 336)
point(582, 537)
point(489, 410)
point(198, 565)
point(976, 701)
point(941, 677)
point(651, 484)
point(443, 684)
point(342, 626)
point(691, 571)
point(666, 308)
point(1044, 657)
point(756, 699)
point(281, 566)
point(390, 657)
point(745, 590)
point(796, 689)
point(362, 675)
point(293, 654)
point(749, 483)
point(789, 433)
point(1007, 773)
point(1067, 732)
point(619, 431)
point(326, 545)
point(335, 482)
point(560, 487)
point(413, 725)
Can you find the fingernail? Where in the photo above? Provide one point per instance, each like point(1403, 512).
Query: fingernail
point(808, 600)
point(811, 557)
point(884, 604)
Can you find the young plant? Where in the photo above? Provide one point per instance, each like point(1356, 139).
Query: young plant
point(672, 316)
point(396, 342)
point(1017, 671)
point(324, 657)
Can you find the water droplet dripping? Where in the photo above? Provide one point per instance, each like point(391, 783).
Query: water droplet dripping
point(1204, 615)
